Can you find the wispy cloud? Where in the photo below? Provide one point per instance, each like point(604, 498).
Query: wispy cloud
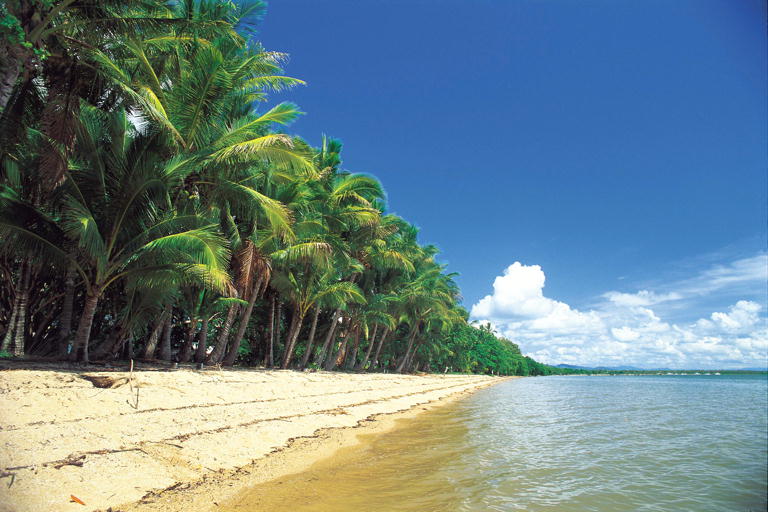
point(743, 274)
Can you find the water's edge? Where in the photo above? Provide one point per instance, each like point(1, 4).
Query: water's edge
point(552, 444)
point(213, 491)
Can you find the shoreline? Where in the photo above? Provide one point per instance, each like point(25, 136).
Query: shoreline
point(299, 455)
point(195, 438)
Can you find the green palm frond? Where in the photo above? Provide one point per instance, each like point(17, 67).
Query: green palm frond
point(358, 189)
point(277, 149)
point(203, 245)
point(275, 83)
point(79, 224)
point(245, 129)
point(278, 215)
point(313, 253)
point(395, 260)
point(342, 292)
point(357, 217)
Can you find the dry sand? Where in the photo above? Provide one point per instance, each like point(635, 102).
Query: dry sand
point(194, 438)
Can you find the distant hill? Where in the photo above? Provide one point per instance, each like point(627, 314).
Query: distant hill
point(634, 368)
point(609, 368)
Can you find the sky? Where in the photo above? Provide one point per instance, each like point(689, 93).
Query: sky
point(596, 171)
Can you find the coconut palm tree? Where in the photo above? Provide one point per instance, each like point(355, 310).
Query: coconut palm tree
point(113, 208)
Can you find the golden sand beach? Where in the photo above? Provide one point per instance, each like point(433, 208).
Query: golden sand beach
point(186, 439)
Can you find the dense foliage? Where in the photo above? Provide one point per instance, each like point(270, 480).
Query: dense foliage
point(152, 207)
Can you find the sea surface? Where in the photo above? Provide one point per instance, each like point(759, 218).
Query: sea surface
point(571, 444)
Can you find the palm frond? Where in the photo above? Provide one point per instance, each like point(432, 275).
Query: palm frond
point(277, 149)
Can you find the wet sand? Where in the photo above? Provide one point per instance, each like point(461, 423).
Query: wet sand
point(187, 440)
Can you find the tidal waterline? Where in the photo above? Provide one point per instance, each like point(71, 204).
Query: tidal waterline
point(622, 443)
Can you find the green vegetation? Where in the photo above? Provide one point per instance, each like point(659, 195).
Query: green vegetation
point(596, 371)
point(151, 207)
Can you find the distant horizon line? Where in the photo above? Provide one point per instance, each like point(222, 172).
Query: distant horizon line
point(637, 368)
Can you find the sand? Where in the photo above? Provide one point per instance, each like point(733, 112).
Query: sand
point(186, 439)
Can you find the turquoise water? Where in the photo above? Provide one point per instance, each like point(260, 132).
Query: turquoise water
point(609, 444)
point(620, 443)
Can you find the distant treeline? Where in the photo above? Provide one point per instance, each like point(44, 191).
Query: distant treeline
point(587, 371)
point(152, 208)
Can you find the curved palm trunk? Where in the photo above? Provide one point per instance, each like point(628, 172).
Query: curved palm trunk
point(186, 349)
point(269, 359)
point(330, 364)
point(202, 340)
point(154, 337)
point(244, 319)
point(113, 343)
point(311, 340)
point(82, 337)
point(233, 348)
point(320, 361)
point(120, 341)
point(353, 357)
point(165, 345)
point(17, 347)
point(276, 343)
point(11, 324)
point(367, 355)
point(65, 320)
point(221, 340)
point(412, 363)
point(407, 354)
point(293, 335)
point(383, 338)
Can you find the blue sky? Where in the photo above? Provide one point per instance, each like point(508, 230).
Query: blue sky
point(620, 146)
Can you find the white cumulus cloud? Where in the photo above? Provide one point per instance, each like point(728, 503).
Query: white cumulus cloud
point(624, 333)
point(623, 328)
point(741, 316)
point(519, 294)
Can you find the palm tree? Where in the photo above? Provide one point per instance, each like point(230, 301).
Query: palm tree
point(305, 293)
point(112, 208)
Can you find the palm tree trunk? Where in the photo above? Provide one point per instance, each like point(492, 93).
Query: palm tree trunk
point(311, 340)
point(269, 360)
point(11, 324)
point(17, 348)
point(202, 339)
point(278, 319)
point(223, 337)
point(117, 347)
point(352, 358)
point(328, 337)
point(412, 363)
point(10, 69)
point(244, 319)
point(330, 364)
point(106, 346)
point(165, 345)
point(371, 343)
point(82, 337)
point(382, 339)
point(128, 349)
point(293, 335)
point(186, 348)
point(154, 337)
point(65, 319)
point(412, 337)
